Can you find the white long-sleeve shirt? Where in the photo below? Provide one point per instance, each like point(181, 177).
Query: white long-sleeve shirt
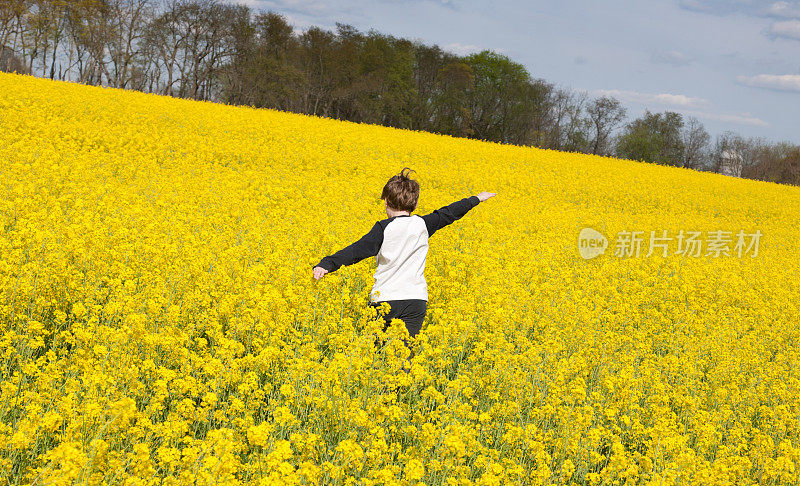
point(400, 245)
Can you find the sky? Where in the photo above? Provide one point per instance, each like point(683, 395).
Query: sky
point(734, 65)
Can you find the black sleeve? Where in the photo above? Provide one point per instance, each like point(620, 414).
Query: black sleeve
point(446, 215)
point(367, 246)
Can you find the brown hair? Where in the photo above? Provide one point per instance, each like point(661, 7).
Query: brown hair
point(401, 192)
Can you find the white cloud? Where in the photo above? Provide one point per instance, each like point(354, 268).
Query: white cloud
point(699, 107)
point(303, 25)
point(670, 57)
point(712, 7)
point(783, 82)
point(305, 6)
point(665, 99)
point(296, 12)
point(467, 49)
point(741, 119)
point(755, 8)
point(788, 28)
point(322, 12)
point(461, 49)
point(784, 9)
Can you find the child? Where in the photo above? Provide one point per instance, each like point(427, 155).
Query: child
point(400, 244)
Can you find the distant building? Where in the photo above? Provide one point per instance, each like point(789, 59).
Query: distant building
point(731, 162)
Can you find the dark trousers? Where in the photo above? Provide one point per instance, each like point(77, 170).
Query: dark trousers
point(411, 311)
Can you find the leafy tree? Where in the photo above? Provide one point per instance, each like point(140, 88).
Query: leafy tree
point(502, 98)
point(653, 137)
point(451, 114)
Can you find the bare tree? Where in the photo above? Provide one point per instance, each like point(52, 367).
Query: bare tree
point(128, 19)
point(568, 126)
point(193, 40)
point(32, 33)
point(51, 18)
point(10, 63)
point(316, 48)
point(164, 39)
point(605, 114)
point(10, 12)
point(76, 27)
point(695, 141)
point(11, 27)
point(12, 30)
point(93, 31)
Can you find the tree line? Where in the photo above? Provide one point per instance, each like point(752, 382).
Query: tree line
point(229, 53)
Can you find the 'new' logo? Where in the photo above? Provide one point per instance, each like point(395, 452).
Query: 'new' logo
point(591, 243)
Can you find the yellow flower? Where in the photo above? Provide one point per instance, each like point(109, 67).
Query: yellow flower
point(259, 435)
point(414, 470)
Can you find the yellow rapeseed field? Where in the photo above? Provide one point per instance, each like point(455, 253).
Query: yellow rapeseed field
point(159, 323)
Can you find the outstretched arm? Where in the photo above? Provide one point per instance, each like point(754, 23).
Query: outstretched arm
point(367, 246)
point(452, 212)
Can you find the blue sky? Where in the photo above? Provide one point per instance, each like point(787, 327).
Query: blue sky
point(735, 65)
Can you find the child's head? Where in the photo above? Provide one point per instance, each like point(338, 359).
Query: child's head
point(401, 193)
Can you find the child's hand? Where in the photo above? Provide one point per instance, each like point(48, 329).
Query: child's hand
point(319, 272)
point(486, 195)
